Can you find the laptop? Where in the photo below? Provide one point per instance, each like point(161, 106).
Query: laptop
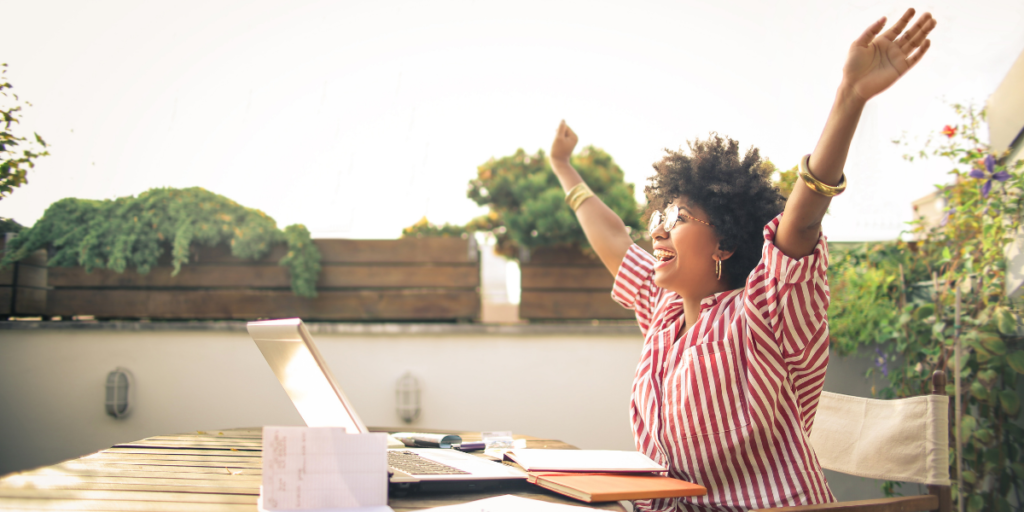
point(289, 349)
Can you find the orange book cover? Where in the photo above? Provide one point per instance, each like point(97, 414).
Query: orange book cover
point(591, 487)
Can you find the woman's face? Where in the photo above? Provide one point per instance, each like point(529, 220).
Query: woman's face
point(686, 254)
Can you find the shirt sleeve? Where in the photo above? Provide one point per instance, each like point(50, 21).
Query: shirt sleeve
point(634, 286)
point(790, 296)
point(787, 301)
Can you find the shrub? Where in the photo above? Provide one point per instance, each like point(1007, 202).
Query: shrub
point(135, 231)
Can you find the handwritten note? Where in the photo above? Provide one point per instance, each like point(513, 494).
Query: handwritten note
point(308, 468)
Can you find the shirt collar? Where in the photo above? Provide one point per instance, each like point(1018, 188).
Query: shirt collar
point(712, 300)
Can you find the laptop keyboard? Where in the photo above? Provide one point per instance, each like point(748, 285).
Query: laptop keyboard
point(413, 464)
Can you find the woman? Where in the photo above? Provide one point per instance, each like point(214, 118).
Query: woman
point(733, 302)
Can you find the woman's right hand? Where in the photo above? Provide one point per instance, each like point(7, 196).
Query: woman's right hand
point(604, 229)
point(565, 141)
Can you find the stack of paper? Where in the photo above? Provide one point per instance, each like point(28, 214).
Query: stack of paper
point(308, 468)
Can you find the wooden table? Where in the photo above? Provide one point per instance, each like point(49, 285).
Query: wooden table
point(211, 471)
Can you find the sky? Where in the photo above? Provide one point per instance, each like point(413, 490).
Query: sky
point(359, 118)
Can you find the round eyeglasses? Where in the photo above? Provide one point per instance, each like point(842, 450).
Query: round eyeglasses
point(670, 217)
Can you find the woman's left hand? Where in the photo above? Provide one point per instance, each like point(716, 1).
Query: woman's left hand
point(877, 61)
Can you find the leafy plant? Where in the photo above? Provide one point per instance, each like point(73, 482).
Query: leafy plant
point(527, 203)
point(896, 300)
point(135, 231)
point(17, 154)
point(785, 180)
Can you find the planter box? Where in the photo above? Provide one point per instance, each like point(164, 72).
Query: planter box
point(432, 279)
point(23, 285)
point(563, 284)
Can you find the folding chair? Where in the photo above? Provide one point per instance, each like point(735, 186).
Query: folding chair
point(904, 440)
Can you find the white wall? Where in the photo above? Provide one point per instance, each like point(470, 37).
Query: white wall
point(569, 387)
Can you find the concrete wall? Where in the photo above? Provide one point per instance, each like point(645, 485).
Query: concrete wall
point(561, 382)
point(569, 387)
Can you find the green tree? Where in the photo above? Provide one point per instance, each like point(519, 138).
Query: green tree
point(527, 204)
point(425, 228)
point(897, 301)
point(134, 231)
point(17, 153)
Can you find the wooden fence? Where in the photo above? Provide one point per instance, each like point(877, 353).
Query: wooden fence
point(562, 284)
point(435, 279)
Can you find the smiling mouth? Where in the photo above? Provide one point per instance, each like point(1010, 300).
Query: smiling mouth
point(663, 255)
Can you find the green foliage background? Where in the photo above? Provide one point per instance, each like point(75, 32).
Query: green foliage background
point(135, 231)
point(424, 228)
point(17, 153)
point(527, 204)
point(896, 300)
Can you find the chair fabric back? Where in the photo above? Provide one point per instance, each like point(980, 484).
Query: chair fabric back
point(904, 440)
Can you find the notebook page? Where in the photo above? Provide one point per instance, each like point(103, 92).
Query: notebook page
point(583, 460)
point(308, 468)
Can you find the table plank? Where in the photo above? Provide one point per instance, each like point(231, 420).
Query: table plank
point(173, 497)
point(214, 444)
point(34, 505)
point(185, 451)
point(151, 489)
point(185, 471)
point(223, 479)
point(129, 457)
point(112, 483)
point(185, 463)
point(210, 436)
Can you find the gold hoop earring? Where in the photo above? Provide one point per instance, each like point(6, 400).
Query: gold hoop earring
point(718, 269)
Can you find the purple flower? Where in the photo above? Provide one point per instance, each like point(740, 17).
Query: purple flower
point(881, 363)
point(945, 217)
point(989, 163)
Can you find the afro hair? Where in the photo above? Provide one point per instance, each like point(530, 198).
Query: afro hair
point(737, 194)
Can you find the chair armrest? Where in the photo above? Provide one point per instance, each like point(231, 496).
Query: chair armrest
point(903, 504)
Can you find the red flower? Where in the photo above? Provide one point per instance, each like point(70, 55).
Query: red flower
point(949, 131)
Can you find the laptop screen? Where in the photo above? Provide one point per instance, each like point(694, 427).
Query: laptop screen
point(298, 365)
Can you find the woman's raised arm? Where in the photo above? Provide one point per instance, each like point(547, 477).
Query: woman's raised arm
point(875, 62)
point(604, 229)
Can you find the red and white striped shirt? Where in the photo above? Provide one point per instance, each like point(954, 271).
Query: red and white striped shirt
point(730, 404)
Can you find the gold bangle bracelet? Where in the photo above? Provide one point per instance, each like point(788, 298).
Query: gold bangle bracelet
point(818, 186)
point(576, 195)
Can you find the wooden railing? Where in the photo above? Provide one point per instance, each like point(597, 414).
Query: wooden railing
point(425, 279)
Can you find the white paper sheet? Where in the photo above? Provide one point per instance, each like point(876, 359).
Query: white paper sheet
point(509, 503)
point(308, 468)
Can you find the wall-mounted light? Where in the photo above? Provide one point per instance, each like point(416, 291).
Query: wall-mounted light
point(120, 392)
point(407, 397)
